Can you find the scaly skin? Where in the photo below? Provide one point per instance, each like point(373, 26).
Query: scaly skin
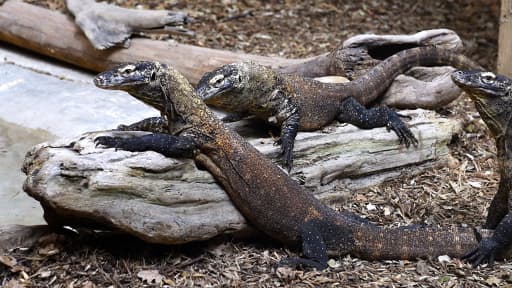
point(268, 198)
point(492, 95)
point(296, 103)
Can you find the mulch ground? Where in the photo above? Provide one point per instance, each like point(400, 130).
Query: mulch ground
point(458, 193)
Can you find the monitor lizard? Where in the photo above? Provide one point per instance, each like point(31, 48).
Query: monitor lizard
point(264, 194)
point(296, 103)
point(492, 95)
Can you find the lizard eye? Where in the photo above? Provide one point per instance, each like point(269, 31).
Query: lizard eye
point(217, 80)
point(127, 70)
point(153, 76)
point(488, 77)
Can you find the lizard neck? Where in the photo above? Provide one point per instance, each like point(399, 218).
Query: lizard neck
point(185, 111)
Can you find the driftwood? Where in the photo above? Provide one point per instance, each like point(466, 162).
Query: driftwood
point(107, 25)
point(35, 28)
point(167, 200)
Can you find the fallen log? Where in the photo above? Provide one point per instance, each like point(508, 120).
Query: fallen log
point(54, 34)
point(107, 25)
point(166, 200)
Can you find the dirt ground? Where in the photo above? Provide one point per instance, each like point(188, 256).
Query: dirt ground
point(459, 193)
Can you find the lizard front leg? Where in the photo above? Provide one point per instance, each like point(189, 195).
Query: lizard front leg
point(152, 124)
point(499, 218)
point(165, 144)
point(289, 130)
point(356, 114)
point(499, 206)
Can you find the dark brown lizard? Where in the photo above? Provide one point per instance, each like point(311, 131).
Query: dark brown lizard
point(492, 95)
point(295, 103)
point(267, 197)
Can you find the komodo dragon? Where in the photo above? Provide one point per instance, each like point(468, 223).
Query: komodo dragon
point(295, 103)
point(267, 197)
point(492, 95)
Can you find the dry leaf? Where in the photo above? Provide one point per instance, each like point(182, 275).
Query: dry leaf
point(45, 274)
point(422, 268)
point(49, 250)
point(8, 261)
point(493, 280)
point(13, 283)
point(150, 276)
point(284, 272)
point(333, 263)
point(444, 258)
point(475, 184)
point(88, 284)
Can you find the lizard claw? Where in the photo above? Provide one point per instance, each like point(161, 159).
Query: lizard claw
point(108, 141)
point(485, 252)
point(404, 134)
point(286, 153)
point(408, 117)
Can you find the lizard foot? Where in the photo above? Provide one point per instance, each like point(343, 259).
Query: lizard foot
point(485, 252)
point(303, 263)
point(107, 141)
point(286, 153)
point(401, 130)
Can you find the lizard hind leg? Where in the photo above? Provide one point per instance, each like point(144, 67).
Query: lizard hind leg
point(356, 114)
point(313, 249)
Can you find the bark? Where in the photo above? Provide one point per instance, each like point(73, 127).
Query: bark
point(165, 200)
point(35, 28)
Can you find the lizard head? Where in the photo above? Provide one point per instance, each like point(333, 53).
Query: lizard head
point(140, 79)
point(491, 93)
point(228, 78)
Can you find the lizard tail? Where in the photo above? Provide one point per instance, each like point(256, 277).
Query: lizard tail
point(415, 242)
point(379, 78)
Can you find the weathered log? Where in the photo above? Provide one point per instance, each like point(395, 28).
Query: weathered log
point(107, 25)
point(35, 28)
point(167, 200)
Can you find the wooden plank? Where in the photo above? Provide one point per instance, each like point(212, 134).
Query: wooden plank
point(505, 39)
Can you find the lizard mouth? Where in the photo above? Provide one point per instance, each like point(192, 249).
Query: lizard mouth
point(100, 81)
point(209, 93)
point(114, 81)
point(460, 79)
point(467, 84)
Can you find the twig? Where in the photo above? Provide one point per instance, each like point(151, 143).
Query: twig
point(238, 16)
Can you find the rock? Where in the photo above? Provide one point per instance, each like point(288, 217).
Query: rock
point(165, 200)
